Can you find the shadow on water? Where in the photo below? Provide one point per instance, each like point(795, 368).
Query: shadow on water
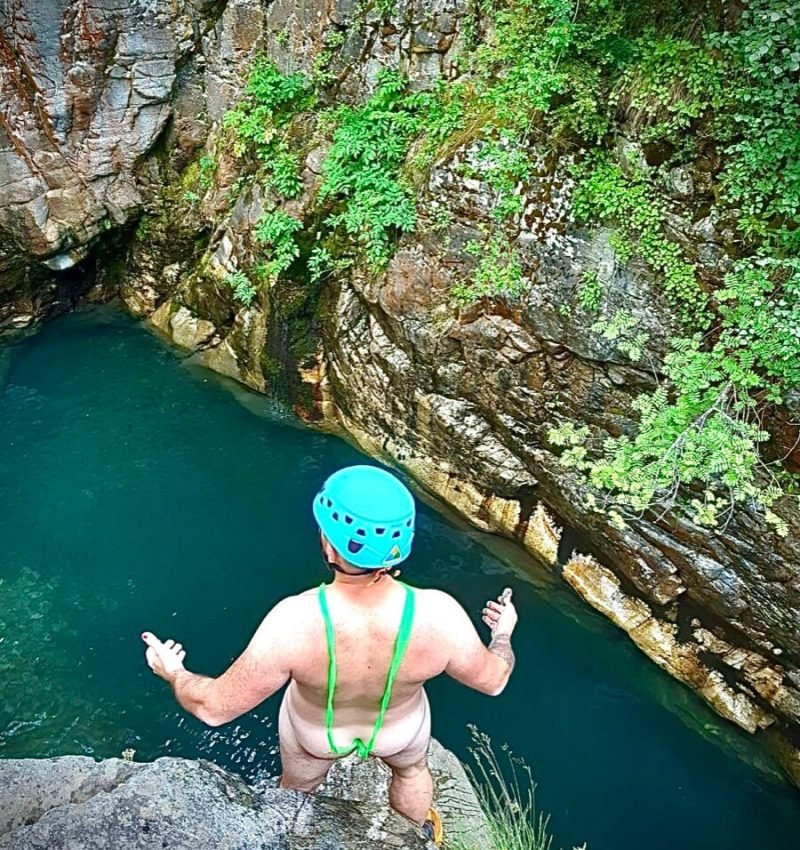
point(134, 494)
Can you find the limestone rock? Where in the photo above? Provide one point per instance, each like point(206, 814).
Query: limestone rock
point(86, 91)
point(601, 589)
point(221, 358)
point(454, 796)
point(542, 535)
point(160, 318)
point(74, 802)
point(659, 640)
point(99, 79)
point(189, 331)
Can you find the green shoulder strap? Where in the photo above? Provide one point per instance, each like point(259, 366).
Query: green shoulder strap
point(400, 646)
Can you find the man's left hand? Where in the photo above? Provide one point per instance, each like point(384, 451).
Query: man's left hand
point(165, 659)
point(501, 616)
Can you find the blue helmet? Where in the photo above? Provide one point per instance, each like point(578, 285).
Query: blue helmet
point(367, 514)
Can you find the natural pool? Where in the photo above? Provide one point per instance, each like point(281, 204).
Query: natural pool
point(139, 492)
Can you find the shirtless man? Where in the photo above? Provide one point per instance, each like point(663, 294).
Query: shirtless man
point(337, 646)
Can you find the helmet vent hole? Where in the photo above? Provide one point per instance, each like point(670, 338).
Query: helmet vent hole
point(408, 523)
point(322, 500)
point(360, 532)
point(335, 516)
point(329, 503)
point(348, 519)
point(354, 547)
point(395, 535)
point(380, 531)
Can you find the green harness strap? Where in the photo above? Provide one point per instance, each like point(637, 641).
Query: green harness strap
point(400, 646)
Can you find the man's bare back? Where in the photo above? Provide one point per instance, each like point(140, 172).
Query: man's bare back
point(366, 621)
point(365, 610)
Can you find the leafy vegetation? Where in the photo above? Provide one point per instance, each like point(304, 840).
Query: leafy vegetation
point(242, 286)
point(760, 328)
point(387, 7)
point(261, 120)
point(590, 294)
point(759, 121)
point(323, 263)
point(541, 78)
point(207, 167)
point(502, 164)
point(703, 428)
point(322, 73)
point(362, 169)
point(275, 232)
point(621, 329)
point(603, 193)
point(560, 77)
point(660, 104)
point(498, 271)
point(708, 426)
point(143, 227)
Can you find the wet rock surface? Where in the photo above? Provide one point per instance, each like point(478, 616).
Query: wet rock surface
point(74, 802)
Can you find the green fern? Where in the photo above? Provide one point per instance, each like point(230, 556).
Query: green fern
point(362, 168)
point(275, 232)
point(243, 289)
point(498, 273)
point(260, 121)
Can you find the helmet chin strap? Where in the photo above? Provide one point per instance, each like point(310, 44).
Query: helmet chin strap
point(332, 565)
point(385, 571)
point(378, 574)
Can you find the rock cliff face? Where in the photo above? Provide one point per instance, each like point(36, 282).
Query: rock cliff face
point(462, 399)
point(87, 88)
point(74, 802)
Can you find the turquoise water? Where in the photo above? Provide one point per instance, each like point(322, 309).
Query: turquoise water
point(137, 492)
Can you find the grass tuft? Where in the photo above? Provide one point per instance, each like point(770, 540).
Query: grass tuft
point(507, 796)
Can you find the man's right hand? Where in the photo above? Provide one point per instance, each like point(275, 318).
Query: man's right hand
point(165, 659)
point(501, 616)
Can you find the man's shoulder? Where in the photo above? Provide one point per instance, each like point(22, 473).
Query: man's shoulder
point(290, 616)
point(434, 595)
point(293, 609)
point(442, 621)
point(438, 603)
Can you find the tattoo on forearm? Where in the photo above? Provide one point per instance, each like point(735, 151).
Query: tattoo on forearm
point(501, 647)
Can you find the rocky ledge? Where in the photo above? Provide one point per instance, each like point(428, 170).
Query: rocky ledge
point(76, 803)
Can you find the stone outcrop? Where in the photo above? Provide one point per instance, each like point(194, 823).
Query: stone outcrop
point(87, 88)
point(74, 802)
point(462, 399)
point(737, 683)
